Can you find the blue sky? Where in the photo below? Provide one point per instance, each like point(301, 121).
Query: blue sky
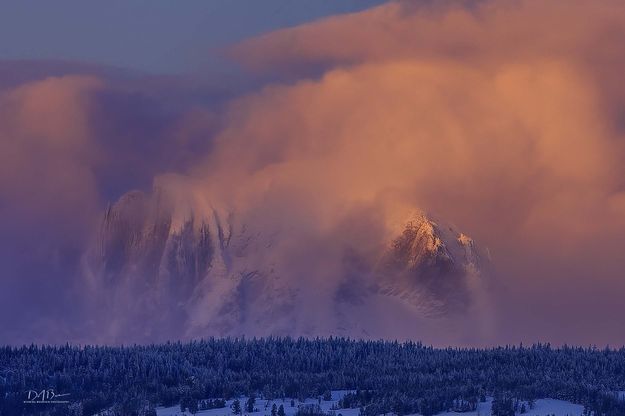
point(148, 35)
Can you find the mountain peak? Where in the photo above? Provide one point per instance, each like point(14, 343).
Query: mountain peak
point(423, 241)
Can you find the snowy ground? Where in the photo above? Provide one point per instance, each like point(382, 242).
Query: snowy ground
point(264, 407)
point(543, 407)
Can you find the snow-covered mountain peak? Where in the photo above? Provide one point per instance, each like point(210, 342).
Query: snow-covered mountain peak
point(423, 241)
point(194, 270)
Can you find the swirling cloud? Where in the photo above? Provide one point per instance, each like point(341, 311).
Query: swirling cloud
point(504, 117)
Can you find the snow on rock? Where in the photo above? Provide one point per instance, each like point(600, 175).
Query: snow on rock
point(429, 265)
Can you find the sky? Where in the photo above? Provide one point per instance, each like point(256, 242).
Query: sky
point(306, 117)
point(152, 36)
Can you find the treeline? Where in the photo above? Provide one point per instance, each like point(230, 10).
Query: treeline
point(389, 376)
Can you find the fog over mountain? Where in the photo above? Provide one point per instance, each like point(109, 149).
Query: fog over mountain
point(159, 271)
point(442, 171)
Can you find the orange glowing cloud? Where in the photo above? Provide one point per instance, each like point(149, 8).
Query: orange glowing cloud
point(526, 140)
point(485, 115)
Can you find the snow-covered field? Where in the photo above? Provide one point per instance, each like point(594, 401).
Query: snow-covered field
point(543, 407)
point(264, 407)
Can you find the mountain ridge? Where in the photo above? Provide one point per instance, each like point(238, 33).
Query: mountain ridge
point(204, 274)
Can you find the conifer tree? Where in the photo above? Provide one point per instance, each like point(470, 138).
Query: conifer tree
point(236, 407)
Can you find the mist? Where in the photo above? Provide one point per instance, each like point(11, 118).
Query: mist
point(503, 118)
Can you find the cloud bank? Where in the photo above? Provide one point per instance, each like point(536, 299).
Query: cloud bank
point(483, 114)
point(504, 118)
